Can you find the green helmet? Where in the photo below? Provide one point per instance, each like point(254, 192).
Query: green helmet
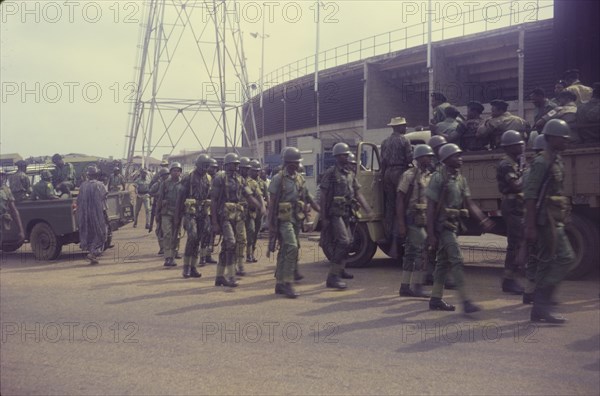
point(244, 162)
point(213, 163)
point(175, 165)
point(254, 164)
point(436, 141)
point(163, 171)
point(292, 154)
point(46, 175)
point(202, 160)
point(422, 150)
point(557, 127)
point(511, 138)
point(448, 150)
point(231, 158)
point(352, 158)
point(539, 143)
point(341, 149)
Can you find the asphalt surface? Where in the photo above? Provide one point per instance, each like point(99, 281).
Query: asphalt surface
point(128, 326)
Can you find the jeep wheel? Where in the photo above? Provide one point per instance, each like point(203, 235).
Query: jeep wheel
point(44, 243)
point(362, 250)
point(583, 235)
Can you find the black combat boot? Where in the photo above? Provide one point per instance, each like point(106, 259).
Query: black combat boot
point(194, 273)
point(511, 286)
point(469, 307)
point(286, 289)
point(169, 262)
point(222, 281)
point(334, 282)
point(437, 304)
point(417, 291)
point(405, 290)
point(528, 298)
point(254, 260)
point(541, 307)
point(210, 260)
point(186, 271)
point(249, 258)
point(298, 276)
point(161, 251)
point(346, 275)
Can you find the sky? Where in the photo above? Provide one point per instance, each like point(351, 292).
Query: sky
point(68, 68)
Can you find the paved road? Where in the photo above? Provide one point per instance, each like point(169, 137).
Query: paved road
point(128, 326)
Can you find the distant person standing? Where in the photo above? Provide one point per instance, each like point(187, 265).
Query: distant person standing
point(20, 185)
point(502, 120)
point(116, 181)
point(91, 215)
point(63, 174)
point(142, 190)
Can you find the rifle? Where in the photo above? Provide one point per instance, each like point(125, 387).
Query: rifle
point(152, 214)
point(542, 192)
point(411, 187)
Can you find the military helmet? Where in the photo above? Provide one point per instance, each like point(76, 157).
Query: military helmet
point(422, 150)
point(92, 170)
point(244, 162)
point(557, 127)
point(213, 163)
point(292, 154)
point(163, 171)
point(202, 160)
point(341, 149)
point(448, 150)
point(116, 168)
point(436, 141)
point(352, 158)
point(231, 158)
point(254, 164)
point(511, 138)
point(539, 143)
point(46, 175)
point(175, 165)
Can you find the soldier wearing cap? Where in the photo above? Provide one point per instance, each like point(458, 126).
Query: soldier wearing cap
point(92, 218)
point(9, 215)
point(582, 92)
point(449, 127)
point(339, 190)
point(588, 118)
point(547, 210)
point(63, 173)
point(467, 130)
point(509, 175)
point(195, 196)
point(396, 154)
point(288, 195)
point(254, 219)
point(501, 121)
point(163, 175)
point(168, 209)
point(439, 102)
point(142, 189)
point(566, 111)
point(448, 203)
point(20, 185)
point(116, 181)
point(411, 212)
point(227, 216)
point(43, 189)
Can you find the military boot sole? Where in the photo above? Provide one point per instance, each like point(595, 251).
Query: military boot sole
point(546, 318)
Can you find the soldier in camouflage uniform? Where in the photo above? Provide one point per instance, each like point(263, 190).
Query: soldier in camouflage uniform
point(163, 175)
point(142, 188)
point(396, 154)
point(447, 196)
point(439, 102)
point(411, 211)
point(253, 221)
point(501, 121)
point(206, 254)
point(168, 209)
point(509, 175)
point(116, 181)
point(339, 191)
point(20, 185)
point(195, 194)
point(547, 210)
point(227, 216)
point(43, 189)
point(288, 196)
point(9, 215)
point(542, 104)
point(242, 241)
point(468, 129)
point(566, 111)
point(63, 174)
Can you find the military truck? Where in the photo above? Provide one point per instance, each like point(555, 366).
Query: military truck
point(582, 186)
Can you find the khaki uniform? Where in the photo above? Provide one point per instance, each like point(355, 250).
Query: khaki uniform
point(154, 192)
point(115, 182)
point(195, 188)
point(291, 195)
point(583, 93)
point(467, 132)
point(493, 128)
point(143, 198)
point(449, 129)
point(439, 113)
point(339, 186)
point(20, 185)
point(168, 208)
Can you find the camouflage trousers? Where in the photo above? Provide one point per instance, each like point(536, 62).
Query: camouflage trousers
point(339, 238)
point(413, 249)
point(512, 212)
point(170, 235)
point(198, 236)
point(252, 229)
point(449, 259)
point(287, 257)
point(554, 255)
point(234, 242)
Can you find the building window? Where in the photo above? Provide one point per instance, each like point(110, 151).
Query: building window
point(277, 147)
point(309, 170)
point(292, 142)
point(268, 149)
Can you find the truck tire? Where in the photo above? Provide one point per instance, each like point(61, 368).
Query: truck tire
point(362, 251)
point(45, 245)
point(10, 247)
point(583, 235)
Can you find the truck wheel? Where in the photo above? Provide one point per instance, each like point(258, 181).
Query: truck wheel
point(387, 249)
point(44, 243)
point(362, 250)
point(584, 238)
point(10, 247)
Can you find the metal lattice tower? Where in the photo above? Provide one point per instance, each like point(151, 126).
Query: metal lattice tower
point(205, 95)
